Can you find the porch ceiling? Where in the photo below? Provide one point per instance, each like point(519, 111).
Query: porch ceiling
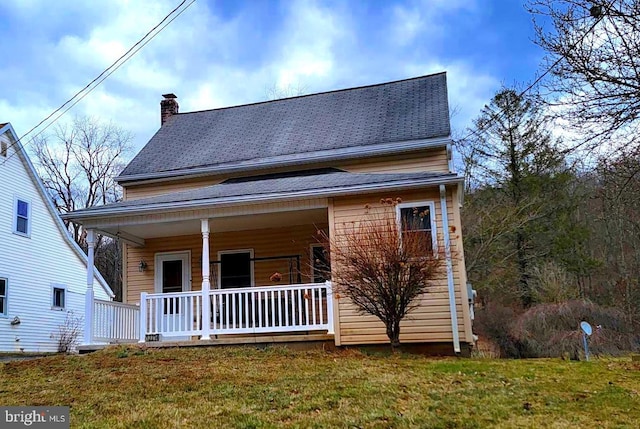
point(221, 224)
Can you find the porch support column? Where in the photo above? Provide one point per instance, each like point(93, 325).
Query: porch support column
point(449, 265)
point(89, 295)
point(206, 284)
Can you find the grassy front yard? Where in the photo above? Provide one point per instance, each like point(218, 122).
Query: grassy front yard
point(244, 387)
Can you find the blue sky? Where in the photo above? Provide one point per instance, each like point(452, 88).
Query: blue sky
point(222, 53)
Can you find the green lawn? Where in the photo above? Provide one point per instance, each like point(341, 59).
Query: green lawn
point(276, 387)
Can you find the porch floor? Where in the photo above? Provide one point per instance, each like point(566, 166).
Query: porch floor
point(307, 341)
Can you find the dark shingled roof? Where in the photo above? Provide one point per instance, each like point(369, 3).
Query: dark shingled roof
point(321, 183)
point(406, 110)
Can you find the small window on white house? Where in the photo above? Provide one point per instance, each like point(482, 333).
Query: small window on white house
point(3, 297)
point(22, 221)
point(3, 149)
point(59, 297)
point(418, 218)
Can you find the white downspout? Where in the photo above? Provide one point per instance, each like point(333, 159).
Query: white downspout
point(450, 283)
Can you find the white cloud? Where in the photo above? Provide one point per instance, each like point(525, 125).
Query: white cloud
point(420, 17)
point(208, 60)
point(308, 44)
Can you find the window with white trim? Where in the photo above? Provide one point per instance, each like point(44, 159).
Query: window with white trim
point(4, 285)
point(59, 297)
point(418, 218)
point(22, 217)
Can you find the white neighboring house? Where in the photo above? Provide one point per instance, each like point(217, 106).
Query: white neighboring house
point(43, 272)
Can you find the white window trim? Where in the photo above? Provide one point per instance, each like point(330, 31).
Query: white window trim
point(6, 297)
point(432, 215)
point(14, 219)
point(227, 252)
point(55, 286)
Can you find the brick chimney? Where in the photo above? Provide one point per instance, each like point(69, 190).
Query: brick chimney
point(168, 107)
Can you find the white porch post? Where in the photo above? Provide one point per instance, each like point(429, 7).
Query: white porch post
point(88, 298)
point(206, 284)
point(143, 318)
point(330, 310)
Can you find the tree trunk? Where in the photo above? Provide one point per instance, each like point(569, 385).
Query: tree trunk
point(393, 332)
point(525, 290)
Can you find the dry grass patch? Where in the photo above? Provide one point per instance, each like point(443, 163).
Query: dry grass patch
point(276, 387)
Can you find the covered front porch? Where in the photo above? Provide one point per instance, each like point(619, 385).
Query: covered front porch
point(251, 311)
point(245, 272)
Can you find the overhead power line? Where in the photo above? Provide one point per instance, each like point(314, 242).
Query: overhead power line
point(87, 89)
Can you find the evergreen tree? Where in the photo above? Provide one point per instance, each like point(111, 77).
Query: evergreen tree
point(523, 198)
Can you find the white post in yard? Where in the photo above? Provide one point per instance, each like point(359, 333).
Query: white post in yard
point(206, 285)
point(88, 298)
point(143, 317)
point(332, 329)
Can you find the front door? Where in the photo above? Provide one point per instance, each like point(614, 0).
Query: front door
point(173, 274)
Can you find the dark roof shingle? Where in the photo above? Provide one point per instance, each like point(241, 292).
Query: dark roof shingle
point(400, 111)
point(320, 184)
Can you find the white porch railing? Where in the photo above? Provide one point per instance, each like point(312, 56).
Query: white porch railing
point(115, 322)
point(288, 308)
point(171, 314)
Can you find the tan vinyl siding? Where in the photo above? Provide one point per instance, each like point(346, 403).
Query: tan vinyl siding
point(134, 192)
point(270, 242)
point(431, 321)
point(431, 160)
point(426, 160)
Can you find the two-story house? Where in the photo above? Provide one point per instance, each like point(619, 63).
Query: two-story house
point(43, 272)
point(222, 207)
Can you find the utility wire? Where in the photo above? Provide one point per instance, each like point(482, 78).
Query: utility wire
point(478, 133)
point(78, 96)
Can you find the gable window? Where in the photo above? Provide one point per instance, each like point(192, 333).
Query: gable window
point(3, 297)
point(59, 297)
point(418, 218)
point(22, 218)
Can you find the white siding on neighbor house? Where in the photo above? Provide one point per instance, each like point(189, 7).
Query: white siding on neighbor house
point(32, 265)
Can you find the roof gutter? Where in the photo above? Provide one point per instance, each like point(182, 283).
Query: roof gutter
point(97, 213)
point(331, 155)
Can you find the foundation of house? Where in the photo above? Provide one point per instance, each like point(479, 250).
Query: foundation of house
point(296, 342)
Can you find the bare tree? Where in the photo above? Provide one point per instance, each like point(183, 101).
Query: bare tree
point(382, 270)
point(593, 51)
point(276, 92)
point(77, 164)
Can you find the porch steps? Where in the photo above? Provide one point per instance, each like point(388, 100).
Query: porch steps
point(305, 341)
